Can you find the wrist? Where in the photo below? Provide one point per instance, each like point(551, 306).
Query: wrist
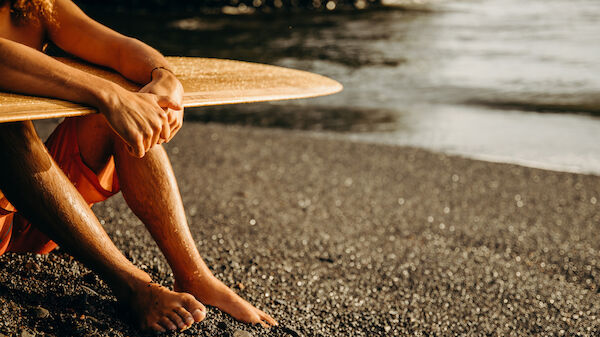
point(104, 95)
point(161, 72)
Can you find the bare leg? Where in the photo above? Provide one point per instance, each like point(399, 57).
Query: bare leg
point(33, 182)
point(150, 189)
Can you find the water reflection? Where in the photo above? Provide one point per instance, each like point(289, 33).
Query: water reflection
point(464, 77)
point(290, 116)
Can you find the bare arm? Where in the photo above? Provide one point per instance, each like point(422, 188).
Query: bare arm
point(26, 70)
point(73, 31)
point(137, 117)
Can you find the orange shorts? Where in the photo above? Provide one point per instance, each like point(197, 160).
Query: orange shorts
point(16, 233)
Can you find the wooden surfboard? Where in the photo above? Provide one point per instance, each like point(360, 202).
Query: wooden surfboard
point(206, 82)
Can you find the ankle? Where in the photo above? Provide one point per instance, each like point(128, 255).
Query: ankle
point(131, 285)
point(194, 279)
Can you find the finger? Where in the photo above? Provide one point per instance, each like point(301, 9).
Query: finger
point(157, 127)
point(174, 129)
point(151, 134)
point(176, 125)
point(167, 102)
point(165, 132)
point(172, 115)
point(137, 149)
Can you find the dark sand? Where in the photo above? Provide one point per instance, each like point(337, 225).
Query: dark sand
point(335, 238)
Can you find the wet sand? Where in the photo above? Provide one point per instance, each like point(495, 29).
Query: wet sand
point(335, 238)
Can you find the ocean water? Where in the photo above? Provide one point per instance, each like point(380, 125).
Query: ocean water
point(500, 80)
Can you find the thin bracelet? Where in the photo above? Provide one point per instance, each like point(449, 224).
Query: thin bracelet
point(165, 68)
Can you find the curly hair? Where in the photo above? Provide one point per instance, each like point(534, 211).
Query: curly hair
point(30, 11)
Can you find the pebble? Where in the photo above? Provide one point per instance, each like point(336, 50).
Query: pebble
point(89, 291)
point(290, 331)
point(423, 281)
point(32, 266)
point(41, 312)
point(222, 325)
point(27, 333)
point(241, 333)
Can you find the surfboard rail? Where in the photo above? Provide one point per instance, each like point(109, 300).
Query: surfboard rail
point(206, 82)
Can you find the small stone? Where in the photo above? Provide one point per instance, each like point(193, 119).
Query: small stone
point(241, 286)
point(290, 331)
point(89, 291)
point(40, 312)
point(241, 333)
point(27, 333)
point(280, 302)
point(32, 266)
point(222, 325)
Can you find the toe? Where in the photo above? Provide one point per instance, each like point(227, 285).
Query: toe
point(166, 323)
point(199, 315)
point(175, 318)
point(185, 316)
point(157, 327)
point(196, 308)
point(268, 319)
point(263, 324)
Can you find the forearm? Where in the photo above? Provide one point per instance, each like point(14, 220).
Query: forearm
point(28, 71)
point(77, 34)
point(137, 60)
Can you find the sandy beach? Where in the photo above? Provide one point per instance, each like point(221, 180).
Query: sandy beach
point(335, 238)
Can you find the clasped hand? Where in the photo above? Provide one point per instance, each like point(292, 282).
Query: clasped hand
point(148, 117)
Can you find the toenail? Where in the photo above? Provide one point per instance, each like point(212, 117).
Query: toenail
point(189, 320)
point(198, 314)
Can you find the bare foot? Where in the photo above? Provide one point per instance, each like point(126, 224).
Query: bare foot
point(158, 308)
point(213, 292)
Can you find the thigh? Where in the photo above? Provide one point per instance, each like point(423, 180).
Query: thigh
point(96, 141)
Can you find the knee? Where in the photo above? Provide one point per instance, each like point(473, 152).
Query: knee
point(18, 135)
point(22, 148)
point(95, 127)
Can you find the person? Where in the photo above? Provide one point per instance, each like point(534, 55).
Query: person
point(47, 189)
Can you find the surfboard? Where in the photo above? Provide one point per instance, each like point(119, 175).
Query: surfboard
point(206, 82)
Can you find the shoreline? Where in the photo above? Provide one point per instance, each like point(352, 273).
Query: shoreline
point(348, 238)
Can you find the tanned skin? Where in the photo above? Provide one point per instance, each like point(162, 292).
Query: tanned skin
point(130, 127)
